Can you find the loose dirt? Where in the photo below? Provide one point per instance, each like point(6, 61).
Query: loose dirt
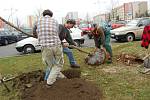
point(33, 87)
point(129, 59)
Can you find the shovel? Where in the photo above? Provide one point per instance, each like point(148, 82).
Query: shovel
point(91, 55)
point(79, 49)
point(145, 70)
point(1, 81)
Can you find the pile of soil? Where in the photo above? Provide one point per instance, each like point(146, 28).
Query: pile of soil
point(33, 87)
point(129, 59)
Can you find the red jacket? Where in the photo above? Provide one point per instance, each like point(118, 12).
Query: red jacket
point(146, 37)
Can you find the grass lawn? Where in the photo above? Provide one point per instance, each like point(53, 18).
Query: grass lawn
point(117, 81)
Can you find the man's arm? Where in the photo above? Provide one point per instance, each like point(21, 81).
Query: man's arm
point(69, 38)
point(102, 35)
point(61, 32)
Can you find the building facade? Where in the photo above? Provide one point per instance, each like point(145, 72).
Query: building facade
point(101, 17)
point(31, 21)
point(72, 15)
point(129, 11)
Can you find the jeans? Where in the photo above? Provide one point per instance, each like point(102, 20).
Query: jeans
point(69, 53)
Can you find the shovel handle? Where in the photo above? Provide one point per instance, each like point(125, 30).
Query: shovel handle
point(5, 85)
point(1, 81)
point(146, 57)
point(79, 49)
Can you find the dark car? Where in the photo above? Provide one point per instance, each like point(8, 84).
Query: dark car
point(7, 37)
point(19, 35)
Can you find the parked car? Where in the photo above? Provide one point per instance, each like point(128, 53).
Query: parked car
point(118, 24)
point(76, 34)
point(7, 37)
point(19, 35)
point(30, 45)
point(132, 31)
point(86, 29)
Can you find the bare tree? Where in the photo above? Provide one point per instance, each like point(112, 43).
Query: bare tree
point(18, 23)
point(38, 12)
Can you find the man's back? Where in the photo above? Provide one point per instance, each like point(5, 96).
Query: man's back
point(47, 29)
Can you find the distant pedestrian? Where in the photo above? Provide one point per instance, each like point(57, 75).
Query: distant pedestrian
point(99, 37)
point(47, 30)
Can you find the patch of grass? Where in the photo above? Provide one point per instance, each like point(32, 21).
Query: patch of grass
point(19, 64)
point(117, 81)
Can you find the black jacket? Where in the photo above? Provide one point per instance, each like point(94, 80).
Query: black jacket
point(64, 33)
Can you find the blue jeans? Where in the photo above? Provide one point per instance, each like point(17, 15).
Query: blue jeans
point(69, 53)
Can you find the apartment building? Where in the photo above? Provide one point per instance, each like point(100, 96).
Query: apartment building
point(72, 15)
point(130, 10)
point(31, 20)
point(101, 17)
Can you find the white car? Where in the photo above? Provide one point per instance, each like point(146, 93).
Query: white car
point(30, 45)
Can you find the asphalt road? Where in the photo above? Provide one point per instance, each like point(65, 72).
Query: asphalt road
point(9, 50)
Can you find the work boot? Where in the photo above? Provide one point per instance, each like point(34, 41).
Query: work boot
point(48, 86)
point(75, 66)
point(109, 61)
point(60, 76)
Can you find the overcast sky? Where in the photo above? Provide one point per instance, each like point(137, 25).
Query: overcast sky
point(21, 8)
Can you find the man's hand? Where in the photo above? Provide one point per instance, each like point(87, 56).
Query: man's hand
point(75, 43)
point(65, 44)
point(102, 47)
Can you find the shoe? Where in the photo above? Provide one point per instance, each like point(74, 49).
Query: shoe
point(48, 85)
point(75, 66)
point(109, 61)
point(61, 76)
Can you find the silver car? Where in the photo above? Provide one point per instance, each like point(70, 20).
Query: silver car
point(132, 31)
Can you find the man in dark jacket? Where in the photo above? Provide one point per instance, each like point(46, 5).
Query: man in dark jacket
point(102, 38)
point(65, 37)
point(99, 36)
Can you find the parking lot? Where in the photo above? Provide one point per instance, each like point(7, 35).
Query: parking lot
point(9, 50)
